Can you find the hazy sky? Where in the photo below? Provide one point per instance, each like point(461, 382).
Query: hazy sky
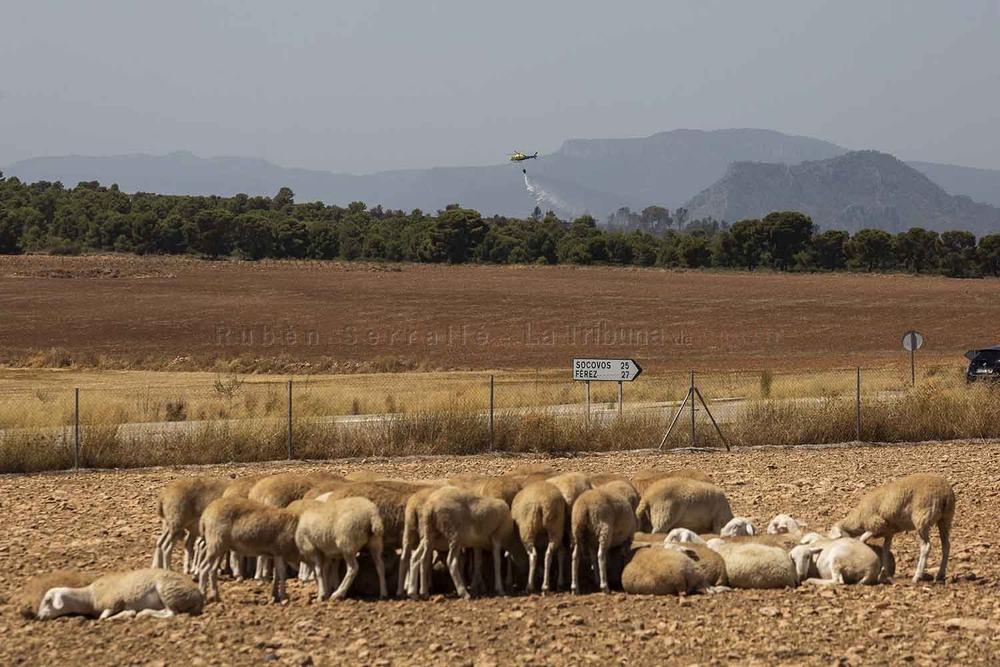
point(364, 85)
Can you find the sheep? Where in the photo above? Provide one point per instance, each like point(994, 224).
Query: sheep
point(681, 535)
point(179, 506)
point(643, 479)
point(30, 596)
point(603, 478)
point(782, 524)
point(411, 537)
point(711, 565)
point(916, 502)
point(755, 565)
point(504, 487)
point(840, 561)
point(679, 502)
point(601, 519)
point(539, 513)
point(653, 571)
point(339, 529)
point(533, 472)
point(154, 592)
point(738, 527)
point(571, 485)
point(249, 528)
point(240, 487)
point(323, 488)
point(390, 498)
point(452, 519)
point(784, 542)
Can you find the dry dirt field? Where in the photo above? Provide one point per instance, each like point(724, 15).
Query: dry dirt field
point(105, 520)
point(182, 313)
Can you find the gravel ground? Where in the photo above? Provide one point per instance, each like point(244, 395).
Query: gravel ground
point(105, 520)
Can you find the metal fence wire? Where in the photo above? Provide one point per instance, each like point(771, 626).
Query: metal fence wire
point(255, 418)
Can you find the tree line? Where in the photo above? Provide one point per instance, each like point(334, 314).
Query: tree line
point(48, 217)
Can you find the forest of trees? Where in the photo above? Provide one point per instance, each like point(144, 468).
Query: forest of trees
point(48, 217)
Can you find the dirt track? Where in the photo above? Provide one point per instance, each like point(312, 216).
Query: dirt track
point(105, 520)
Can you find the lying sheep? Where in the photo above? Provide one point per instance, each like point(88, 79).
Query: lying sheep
point(248, 528)
point(601, 519)
point(784, 542)
point(782, 524)
point(653, 571)
point(711, 565)
point(327, 532)
point(678, 535)
point(916, 502)
point(738, 527)
point(679, 502)
point(840, 561)
point(539, 513)
point(154, 592)
point(179, 506)
point(31, 594)
point(453, 519)
point(754, 565)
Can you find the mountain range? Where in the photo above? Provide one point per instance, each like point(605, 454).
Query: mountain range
point(722, 173)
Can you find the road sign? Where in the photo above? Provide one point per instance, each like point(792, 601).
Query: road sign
point(912, 340)
point(609, 370)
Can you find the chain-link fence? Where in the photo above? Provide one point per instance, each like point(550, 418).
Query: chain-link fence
point(111, 423)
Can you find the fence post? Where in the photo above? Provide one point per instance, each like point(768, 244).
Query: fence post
point(588, 402)
point(289, 420)
point(620, 383)
point(691, 394)
point(858, 407)
point(76, 429)
point(492, 443)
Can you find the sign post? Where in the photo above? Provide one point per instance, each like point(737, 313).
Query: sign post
point(605, 370)
point(912, 341)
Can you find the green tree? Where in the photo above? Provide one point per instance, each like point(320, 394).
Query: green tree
point(989, 254)
point(957, 254)
point(787, 233)
point(870, 249)
point(827, 250)
point(916, 249)
point(215, 232)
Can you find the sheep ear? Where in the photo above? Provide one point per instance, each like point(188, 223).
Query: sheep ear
point(752, 529)
point(815, 550)
point(57, 601)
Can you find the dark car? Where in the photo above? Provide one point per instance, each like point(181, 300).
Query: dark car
point(983, 364)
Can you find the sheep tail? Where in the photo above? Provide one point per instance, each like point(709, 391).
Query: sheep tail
point(378, 528)
point(641, 512)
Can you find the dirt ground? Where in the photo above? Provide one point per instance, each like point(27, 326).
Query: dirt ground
point(105, 520)
point(167, 313)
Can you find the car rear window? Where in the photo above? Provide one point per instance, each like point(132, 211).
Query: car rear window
point(988, 356)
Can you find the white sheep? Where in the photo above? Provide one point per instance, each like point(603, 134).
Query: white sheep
point(678, 535)
point(327, 532)
point(539, 513)
point(738, 527)
point(179, 506)
point(755, 565)
point(248, 528)
point(653, 571)
point(411, 539)
point(453, 519)
point(916, 502)
point(841, 561)
point(783, 524)
point(679, 502)
point(155, 592)
point(601, 519)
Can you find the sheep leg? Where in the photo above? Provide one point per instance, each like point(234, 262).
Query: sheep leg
point(161, 543)
point(167, 549)
point(263, 565)
point(883, 575)
point(595, 567)
point(109, 615)
point(563, 557)
point(477, 571)
point(497, 566)
point(322, 577)
point(549, 552)
point(189, 552)
point(510, 571)
point(352, 572)
point(404, 571)
point(155, 613)
point(574, 569)
point(376, 552)
point(456, 571)
point(944, 530)
point(532, 563)
point(278, 579)
point(236, 565)
point(305, 572)
point(602, 564)
point(425, 569)
point(925, 548)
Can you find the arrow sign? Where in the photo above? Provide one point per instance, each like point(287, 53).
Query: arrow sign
point(609, 370)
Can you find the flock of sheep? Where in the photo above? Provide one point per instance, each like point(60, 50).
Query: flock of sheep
point(657, 532)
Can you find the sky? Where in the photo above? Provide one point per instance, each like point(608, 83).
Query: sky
point(366, 85)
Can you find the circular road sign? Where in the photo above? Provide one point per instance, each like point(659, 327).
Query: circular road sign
point(912, 340)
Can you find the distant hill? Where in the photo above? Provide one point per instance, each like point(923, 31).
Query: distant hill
point(852, 191)
point(594, 175)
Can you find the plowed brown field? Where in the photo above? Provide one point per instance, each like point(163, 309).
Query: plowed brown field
point(185, 313)
point(106, 520)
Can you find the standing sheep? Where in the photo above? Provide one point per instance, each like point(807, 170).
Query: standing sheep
point(179, 506)
point(679, 502)
point(601, 519)
point(155, 592)
point(539, 513)
point(916, 502)
point(643, 479)
point(327, 532)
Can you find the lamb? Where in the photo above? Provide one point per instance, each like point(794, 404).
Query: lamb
point(30, 596)
point(453, 519)
point(916, 502)
point(179, 506)
point(655, 571)
point(601, 519)
point(841, 561)
point(539, 513)
point(643, 479)
point(679, 502)
point(738, 527)
point(327, 532)
point(155, 592)
point(252, 529)
point(782, 524)
point(754, 565)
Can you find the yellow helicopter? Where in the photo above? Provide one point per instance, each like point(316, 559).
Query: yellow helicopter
point(521, 157)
